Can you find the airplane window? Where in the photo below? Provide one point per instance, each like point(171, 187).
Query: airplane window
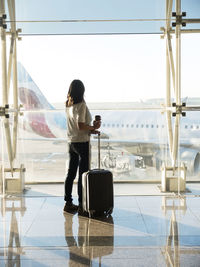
point(137, 126)
point(132, 125)
point(152, 125)
point(117, 125)
point(113, 125)
point(191, 126)
point(186, 126)
point(122, 125)
point(157, 126)
point(108, 125)
point(127, 125)
point(142, 125)
point(103, 125)
point(197, 127)
point(147, 126)
point(163, 126)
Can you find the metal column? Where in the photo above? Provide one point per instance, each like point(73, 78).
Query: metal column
point(177, 170)
point(171, 181)
point(5, 95)
point(11, 141)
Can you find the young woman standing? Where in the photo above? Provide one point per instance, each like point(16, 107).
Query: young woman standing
point(79, 129)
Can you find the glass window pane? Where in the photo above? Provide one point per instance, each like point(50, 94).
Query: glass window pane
point(94, 17)
point(1, 154)
point(43, 155)
point(192, 8)
point(1, 92)
point(113, 68)
point(189, 139)
point(131, 154)
point(62, 17)
point(103, 44)
point(190, 68)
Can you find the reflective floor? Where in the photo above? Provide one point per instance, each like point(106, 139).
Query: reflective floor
point(144, 230)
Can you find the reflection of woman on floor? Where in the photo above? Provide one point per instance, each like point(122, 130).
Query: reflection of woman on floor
point(91, 242)
point(76, 255)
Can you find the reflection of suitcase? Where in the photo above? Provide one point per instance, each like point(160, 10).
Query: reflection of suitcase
point(97, 190)
point(95, 235)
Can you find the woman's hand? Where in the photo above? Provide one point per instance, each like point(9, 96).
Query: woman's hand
point(84, 127)
point(97, 124)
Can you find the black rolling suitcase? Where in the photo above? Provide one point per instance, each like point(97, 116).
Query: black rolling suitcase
point(97, 190)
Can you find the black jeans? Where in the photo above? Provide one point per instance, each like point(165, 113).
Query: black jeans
point(78, 157)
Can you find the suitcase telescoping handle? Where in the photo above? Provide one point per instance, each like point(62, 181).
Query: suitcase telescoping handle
point(99, 159)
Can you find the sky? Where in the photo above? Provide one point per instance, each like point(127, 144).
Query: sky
point(117, 68)
point(36, 10)
point(114, 68)
point(147, 10)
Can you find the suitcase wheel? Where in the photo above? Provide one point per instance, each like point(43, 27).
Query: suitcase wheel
point(91, 213)
point(109, 212)
point(106, 213)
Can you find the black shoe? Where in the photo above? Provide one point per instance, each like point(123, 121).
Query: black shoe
point(82, 212)
point(70, 207)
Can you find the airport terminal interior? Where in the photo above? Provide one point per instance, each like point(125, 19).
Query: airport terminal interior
point(139, 61)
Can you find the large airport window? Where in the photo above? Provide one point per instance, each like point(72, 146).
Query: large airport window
point(125, 82)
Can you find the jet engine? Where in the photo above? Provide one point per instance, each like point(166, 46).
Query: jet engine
point(191, 158)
